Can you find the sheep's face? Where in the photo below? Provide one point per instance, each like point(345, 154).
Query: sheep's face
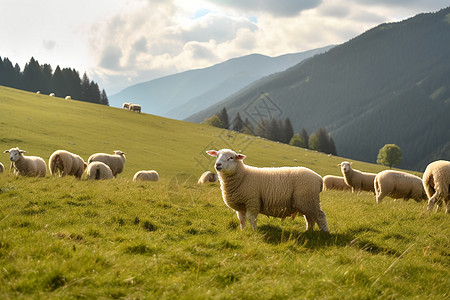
point(227, 160)
point(345, 167)
point(14, 154)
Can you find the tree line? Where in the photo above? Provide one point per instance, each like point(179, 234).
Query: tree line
point(277, 130)
point(62, 82)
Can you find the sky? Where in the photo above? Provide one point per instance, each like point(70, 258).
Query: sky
point(119, 43)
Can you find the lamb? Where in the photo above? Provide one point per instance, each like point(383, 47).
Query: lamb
point(277, 192)
point(115, 162)
point(207, 177)
point(2, 167)
point(26, 165)
point(436, 182)
point(135, 107)
point(358, 180)
point(396, 184)
point(68, 98)
point(98, 170)
point(126, 105)
point(331, 182)
point(66, 163)
point(151, 175)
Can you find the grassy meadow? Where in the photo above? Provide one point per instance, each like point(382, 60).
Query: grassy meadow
point(172, 239)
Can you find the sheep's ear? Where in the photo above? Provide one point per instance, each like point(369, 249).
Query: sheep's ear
point(22, 151)
point(240, 156)
point(6, 151)
point(339, 165)
point(212, 152)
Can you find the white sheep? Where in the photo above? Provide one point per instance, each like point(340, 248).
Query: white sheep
point(68, 98)
point(135, 107)
point(98, 170)
point(66, 163)
point(331, 182)
point(277, 192)
point(151, 175)
point(359, 181)
point(26, 165)
point(52, 95)
point(115, 162)
point(2, 167)
point(207, 177)
point(126, 105)
point(396, 184)
point(436, 182)
point(38, 92)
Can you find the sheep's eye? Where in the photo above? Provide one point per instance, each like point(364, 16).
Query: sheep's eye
point(230, 158)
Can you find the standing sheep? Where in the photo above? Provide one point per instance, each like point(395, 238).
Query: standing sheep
point(358, 180)
point(126, 105)
point(151, 175)
point(436, 182)
point(135, 107)
point(396, 184)
point(26, 165)
point(115, 162)
point(66, 163)
point(277, 192)
point(2, 167)
point(68, 98)
point(52, 94)
point(207, 177)
point(331, 182)
point(98, 171)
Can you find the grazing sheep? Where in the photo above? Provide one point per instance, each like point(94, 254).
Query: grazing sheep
point(126, 105)
point(68, 98)
point(207, 177)
point(66, 163)
point(151, 175)
point(396, 184)
point(98, 171)
point(135, 107)
point(38, 92)
point(331, 182)
point(436, 182)
point(358, 180)
point(26, 165)
point(277, 192)
point(2, 167)
point(115, 162)
point(52, 95)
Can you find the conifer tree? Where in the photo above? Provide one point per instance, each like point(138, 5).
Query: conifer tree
point(223, 116)
point(238, 124)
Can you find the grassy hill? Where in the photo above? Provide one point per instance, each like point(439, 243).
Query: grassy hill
point(68, 238)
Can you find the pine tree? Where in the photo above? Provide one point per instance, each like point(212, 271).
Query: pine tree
point(32, 76)
point(238, 124)
point(104, 98)
point(85, 88)
point(287, 131)
point(223, 116)
point(304, 135)
point(273, 130)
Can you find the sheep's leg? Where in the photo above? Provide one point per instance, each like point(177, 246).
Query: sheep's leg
point(241, 217)
point(433, 200)
point(322, 221)
point(252, 216)
point(293, 215)
point(309, 222)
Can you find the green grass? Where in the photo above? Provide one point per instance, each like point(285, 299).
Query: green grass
point(67, 238)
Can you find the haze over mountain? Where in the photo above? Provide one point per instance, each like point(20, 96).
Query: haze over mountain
point(388, 85)
point(182, 94)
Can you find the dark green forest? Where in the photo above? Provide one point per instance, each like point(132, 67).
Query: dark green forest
point(62, 82)
point(390, 85)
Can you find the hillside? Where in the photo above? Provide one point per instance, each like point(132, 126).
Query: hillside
point(180, 95)
point(388, 85)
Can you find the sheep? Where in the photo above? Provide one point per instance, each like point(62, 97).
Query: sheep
point(26, 165)
point(331, 182)
point(151, 175)
point(396, 184)
point(126, 105)
point(436, 182)
point(98, 170)
point(68, 98)
point(277, 192)
point(135, 107)
point(115, 162)
point(2, 167)
point(207, 177)
point(52, 94)
point(66, 163)
point(358, 180)
point(38, 92)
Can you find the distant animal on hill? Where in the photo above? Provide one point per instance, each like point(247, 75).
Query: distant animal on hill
point(331, 182)
point(52, 95)
point(207, 177)
point(98, 171)
point(66, 163)
point(151, 175)
point(396, 184)
point(359, 181)
point(135, 107)
point(26, 165)
point(436, 182)
point(68, 97)
point(277, 192)
point(115, 162)
point(126, 105)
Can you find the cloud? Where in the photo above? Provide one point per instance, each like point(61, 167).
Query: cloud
point(49, 44)
point(110, 58)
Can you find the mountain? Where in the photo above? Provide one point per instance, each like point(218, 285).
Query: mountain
point(388, 85)
point(182, 94)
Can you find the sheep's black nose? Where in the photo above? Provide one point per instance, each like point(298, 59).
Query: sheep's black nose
point(219, 166)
